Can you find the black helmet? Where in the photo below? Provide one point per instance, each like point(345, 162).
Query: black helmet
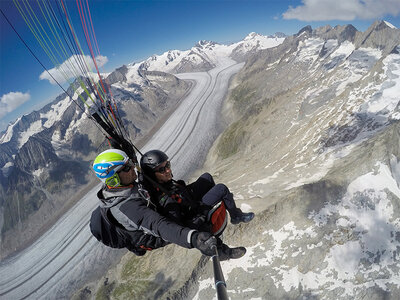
point(151, 160)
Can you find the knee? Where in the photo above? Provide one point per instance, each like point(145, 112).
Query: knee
point(223, 188)
point(207, 176)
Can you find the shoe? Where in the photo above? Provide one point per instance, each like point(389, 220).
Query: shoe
point(225, 252)
point(138, 252)
point(244, 217)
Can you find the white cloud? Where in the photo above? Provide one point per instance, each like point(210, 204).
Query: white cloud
point(70, 68)
point(11, 101)
point(345, 10)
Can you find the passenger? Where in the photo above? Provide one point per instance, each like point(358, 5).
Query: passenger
point(188, 205)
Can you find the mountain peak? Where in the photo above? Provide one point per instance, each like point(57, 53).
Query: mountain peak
point(306, 29)
point(381, 25)
point(251, 36)
point(204, 44)
point(381, 35)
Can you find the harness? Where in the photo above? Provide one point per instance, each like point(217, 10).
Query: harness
point(213, 219)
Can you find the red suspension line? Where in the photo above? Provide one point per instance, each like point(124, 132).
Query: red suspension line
point(83, 21)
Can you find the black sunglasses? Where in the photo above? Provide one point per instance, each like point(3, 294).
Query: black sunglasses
point(127, 166)
point(163, 169)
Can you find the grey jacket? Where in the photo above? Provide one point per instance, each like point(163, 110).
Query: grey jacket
point(132, 208)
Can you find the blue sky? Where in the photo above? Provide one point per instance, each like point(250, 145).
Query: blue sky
point(129, 31)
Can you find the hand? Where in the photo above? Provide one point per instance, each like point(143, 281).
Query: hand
point(205, 242)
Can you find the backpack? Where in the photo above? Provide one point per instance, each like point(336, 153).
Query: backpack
point(106, 231)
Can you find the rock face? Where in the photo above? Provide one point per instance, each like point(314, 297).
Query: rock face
point(379, 35)
point(314, 149)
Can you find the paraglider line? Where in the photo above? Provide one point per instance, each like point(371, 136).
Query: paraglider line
point(8, 21)
point(30, 50)
point(106, 126)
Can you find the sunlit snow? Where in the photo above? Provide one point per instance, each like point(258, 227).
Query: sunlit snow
point(344, 50)
point(7, 168)
point(309, 50)
point(390, 25)
point(387, 98)
point(35, 127)
point(9, 133)
point(56, 112)
point(38, 172)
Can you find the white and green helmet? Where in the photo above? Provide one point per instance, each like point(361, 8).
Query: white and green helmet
point(107, 164)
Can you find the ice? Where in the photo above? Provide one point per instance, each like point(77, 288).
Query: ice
point(9, 133)
point(387, 98)
point(35, 127)
point(390, 25)
point(344, 50)
point(309, 50)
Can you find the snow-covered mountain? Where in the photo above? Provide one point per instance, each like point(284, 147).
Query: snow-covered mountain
point(202, 57)
point(50, 150)
point(314, 148)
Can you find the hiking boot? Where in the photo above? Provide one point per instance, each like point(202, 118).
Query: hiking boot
point(225, 252)
point(243, 217)
point(138, 252)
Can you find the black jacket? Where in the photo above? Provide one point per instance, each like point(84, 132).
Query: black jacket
point(131, 207)
point(176, 200)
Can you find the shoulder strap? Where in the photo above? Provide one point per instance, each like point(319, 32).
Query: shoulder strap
point(156, 184)
point(109, 218)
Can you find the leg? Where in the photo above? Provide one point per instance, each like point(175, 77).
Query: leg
point(221, 192)
point(218, 193)
point(201, 186)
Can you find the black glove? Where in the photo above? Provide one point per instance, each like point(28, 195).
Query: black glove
point(205, 242)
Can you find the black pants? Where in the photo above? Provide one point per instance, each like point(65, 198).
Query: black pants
point(205, 190)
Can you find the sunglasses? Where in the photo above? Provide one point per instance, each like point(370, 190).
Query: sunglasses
point(127, 166)
point(162, 170)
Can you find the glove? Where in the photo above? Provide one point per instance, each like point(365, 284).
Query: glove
point(205, 242)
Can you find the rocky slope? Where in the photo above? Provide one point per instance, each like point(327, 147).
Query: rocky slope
point(314, 149)
point(317, 155)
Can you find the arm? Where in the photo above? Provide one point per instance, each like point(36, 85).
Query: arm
point(137, 214)
point(145, 219)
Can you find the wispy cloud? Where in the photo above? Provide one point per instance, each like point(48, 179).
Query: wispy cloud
point(345, 10)
point(71, 68)
point(11, 101)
